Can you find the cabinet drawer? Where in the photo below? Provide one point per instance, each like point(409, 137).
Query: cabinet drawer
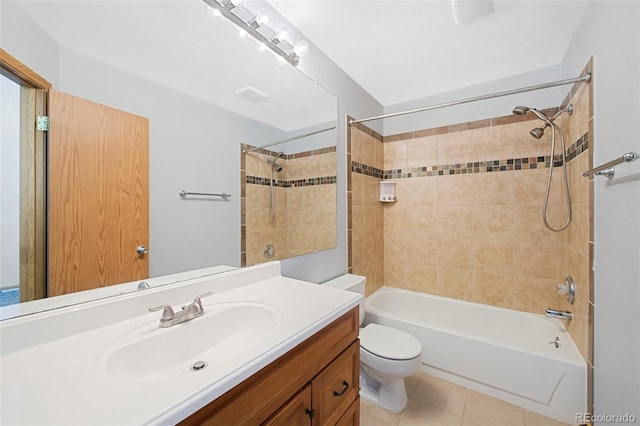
point(337, 386)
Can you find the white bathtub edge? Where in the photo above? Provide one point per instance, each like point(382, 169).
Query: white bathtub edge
point(561, 400)
point(550, 411)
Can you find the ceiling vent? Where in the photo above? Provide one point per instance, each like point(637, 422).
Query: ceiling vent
point(252, 94)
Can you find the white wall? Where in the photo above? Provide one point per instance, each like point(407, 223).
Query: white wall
point(325, 139)
point(18, 36)
point(479, 110)
point(215, 225)
point(193, 145)
point(9, 184)
point(610, 31)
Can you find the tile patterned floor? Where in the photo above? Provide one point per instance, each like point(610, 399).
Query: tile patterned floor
point(435, 402)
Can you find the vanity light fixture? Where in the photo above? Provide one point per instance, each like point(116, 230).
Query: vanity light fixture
point(257, 24)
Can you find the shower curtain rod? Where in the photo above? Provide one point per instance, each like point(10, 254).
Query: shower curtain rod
point(585, 77)
point(245, 151)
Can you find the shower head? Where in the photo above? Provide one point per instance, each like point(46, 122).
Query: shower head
point(538, 132)
point(274, 161)
point(520, 110)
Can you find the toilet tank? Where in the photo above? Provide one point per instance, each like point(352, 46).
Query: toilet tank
point(350, 282)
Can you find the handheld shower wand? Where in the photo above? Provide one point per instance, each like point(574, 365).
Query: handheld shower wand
point(278, 168)
point(537, 133)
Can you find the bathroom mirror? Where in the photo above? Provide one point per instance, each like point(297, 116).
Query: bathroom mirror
point(207, 93)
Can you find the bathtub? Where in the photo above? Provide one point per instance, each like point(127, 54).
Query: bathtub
point(499, 352)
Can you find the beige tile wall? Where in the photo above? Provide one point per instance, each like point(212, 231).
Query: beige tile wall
point(260, 229)
point(366, 215)
point(578, 245)
point(311, 216)
point(477, 237)
point(305, 216)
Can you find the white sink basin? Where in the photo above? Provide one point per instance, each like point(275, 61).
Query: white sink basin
point(225, 332)
point(92, 363)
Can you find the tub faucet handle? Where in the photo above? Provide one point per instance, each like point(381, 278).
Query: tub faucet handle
point(555, 342)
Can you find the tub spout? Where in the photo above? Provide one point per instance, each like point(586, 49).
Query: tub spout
point(552, 313)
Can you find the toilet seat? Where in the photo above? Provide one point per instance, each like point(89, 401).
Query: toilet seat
point(389, 343)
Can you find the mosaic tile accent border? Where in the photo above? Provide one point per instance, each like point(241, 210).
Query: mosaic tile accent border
point(363, 169)
point(326, 180)
point(577, 148)
point(526, 163)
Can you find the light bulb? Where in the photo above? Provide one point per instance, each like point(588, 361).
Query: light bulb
point(284, 34)
point(301, 48)
point(263, 17)
point(213, 13)
point(280, 61)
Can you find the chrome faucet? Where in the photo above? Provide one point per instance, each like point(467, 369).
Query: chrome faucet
point(188, 312)
point(552, 313)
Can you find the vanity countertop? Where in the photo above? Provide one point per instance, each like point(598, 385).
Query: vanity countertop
point(108, 362)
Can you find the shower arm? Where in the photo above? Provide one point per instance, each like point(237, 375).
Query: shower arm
point(568, 109)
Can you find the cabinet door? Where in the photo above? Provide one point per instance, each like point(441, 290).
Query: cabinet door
point(337, 386)
point(296, 412)
point(352, 416)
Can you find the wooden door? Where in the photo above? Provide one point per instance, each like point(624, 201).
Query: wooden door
point(98, 186)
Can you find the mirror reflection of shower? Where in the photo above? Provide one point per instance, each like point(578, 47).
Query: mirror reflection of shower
point(537, 133)
point(278, 168)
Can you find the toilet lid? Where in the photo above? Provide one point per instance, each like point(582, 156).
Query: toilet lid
point(390, 343)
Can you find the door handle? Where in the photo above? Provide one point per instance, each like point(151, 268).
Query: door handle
point(142, 250)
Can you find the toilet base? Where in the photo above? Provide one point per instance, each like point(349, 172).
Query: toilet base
point(391, 395)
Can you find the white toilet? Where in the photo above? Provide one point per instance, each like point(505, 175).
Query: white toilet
point(387, 355)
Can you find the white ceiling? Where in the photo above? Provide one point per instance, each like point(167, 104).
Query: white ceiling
point(396, 50)
point(405, 50)
point(176, 43)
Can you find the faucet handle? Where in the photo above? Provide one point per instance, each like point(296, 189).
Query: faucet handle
point(198, 301)
point(167, 313)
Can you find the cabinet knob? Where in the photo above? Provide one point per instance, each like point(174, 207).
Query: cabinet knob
point(310, 412)
point(346, 386)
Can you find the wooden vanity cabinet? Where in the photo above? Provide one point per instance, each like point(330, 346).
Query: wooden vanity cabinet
point(296, 412)
point(315, 383)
